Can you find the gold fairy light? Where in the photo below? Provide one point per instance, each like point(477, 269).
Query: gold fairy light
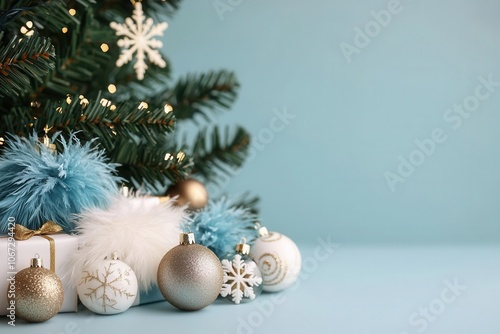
point(168, 157)
point(111, 88)
point(35, 104)
point(59, 110)
point(168, 108)
point(27, 29)
point(105, 102)
point(2, 141)
point(46, 139)
point(83, 101)
point(104, 47)
point(143, 105)
point(68, 99)
point(72, 12)
point(112, 128)
point(180, 156)
point(112, 108)
point(64, 30)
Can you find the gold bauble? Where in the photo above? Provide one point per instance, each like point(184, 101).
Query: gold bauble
point(38, 293)
point(190, 192)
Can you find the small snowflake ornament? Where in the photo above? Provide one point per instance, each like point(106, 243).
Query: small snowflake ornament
point(138, 38)
point(242, 277)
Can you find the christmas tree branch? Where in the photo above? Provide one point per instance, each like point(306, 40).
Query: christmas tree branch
point(23, 62)
point(101, 118)
point(247, 202)
point(155, 79)
point(212, 153)
point(195, 94)
point(145, 164)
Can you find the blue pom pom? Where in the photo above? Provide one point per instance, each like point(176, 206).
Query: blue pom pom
point(221, 225)
point(37, 185)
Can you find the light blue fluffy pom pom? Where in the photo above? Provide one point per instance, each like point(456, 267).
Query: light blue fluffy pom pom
point(221, 225)
point(37, 185)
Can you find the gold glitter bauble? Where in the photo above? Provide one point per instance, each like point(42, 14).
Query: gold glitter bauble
point(190, 192)
point(39, 294)
point(190, 276)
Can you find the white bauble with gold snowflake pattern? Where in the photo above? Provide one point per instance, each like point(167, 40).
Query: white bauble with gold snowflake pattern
point(278, 258)
point(108, 286)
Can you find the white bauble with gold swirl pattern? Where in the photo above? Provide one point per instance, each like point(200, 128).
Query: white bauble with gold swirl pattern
point(278, 258)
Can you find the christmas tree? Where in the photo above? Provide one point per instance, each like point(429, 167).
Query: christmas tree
point(94, 68)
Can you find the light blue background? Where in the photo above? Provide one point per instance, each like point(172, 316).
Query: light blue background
point(324, 173)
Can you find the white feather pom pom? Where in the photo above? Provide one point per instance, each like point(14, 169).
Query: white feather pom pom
point(140, 229)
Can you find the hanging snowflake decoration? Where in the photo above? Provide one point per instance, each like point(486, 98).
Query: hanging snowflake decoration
point(138, 38)
point(240, 279)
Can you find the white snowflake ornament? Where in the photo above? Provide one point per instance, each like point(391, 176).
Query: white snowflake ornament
point(242, 279)
point(138, 38)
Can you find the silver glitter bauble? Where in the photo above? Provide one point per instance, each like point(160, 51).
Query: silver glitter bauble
point(190, 276)
point(38, 293)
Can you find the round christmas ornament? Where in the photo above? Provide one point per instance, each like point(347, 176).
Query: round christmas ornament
point(190, 276)
point(39, 293)
point(243, 280)
point(108, 286)
point(278, 259)
point(190, 192)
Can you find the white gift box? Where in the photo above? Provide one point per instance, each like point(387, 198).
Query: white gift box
point(16, 255)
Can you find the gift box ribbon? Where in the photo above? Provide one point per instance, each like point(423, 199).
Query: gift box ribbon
point(24, 233)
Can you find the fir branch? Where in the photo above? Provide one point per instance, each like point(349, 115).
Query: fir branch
point(196, 94)
point(115, 10)
point(82, 67)
point(144, 164)
point(49, 16)
point(93, 118)
point(155, 80)
point(24, 61)
point(101, 118)
point(212, 153)
point(247, 202)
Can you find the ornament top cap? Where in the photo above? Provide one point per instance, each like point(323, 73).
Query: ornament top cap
point(243, 248)
point(36, 262)
point(262, 229)
point(187, 238)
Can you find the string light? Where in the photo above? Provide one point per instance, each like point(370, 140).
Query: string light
point(104, 47)
point(27, 29)
point(112, 88)
point(168, 108)
point(143, 105)
point(72, 12)
point(180, 156)
point(83, 101)
point(105, 102)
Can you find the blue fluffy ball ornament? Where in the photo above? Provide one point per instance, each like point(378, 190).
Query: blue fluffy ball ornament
point(221, 225)
point(38, 184)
